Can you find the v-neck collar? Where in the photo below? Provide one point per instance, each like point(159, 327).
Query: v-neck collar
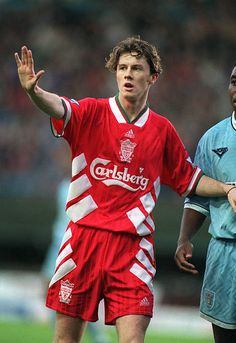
point(122, 116)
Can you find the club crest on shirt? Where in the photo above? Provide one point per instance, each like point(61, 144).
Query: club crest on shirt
point(126, 150)
point(65, 291)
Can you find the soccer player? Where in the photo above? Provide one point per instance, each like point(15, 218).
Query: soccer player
point(216, 155)
point(121, 153)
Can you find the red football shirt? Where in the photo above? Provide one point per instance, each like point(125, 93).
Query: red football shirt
point(118, 165)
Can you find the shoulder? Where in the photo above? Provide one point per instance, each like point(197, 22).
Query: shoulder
point(159, 120)
point(226, 122)
point(87, 106)
point(92, 101)
point(217, 129)
point(87, 101)
point(214, 136)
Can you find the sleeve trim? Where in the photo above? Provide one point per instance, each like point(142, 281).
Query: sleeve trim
point(66, 118)
point(197, 208)
point(193, 183)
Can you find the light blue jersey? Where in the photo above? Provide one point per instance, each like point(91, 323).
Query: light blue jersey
point(216, 156)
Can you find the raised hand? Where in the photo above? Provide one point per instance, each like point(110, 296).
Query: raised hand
point(25, 64)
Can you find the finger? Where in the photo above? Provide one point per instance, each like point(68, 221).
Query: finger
point(18, 61)
point(183, 256)
point(30, 60)
point(22, 54)
point(189, 270)
point(39, 74)
point(183, 264)
point(188, 265)
point(24, 57)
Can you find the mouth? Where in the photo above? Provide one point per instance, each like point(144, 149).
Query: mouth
point(128, 86)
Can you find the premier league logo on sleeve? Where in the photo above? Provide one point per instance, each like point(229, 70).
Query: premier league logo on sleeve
point(127, 149)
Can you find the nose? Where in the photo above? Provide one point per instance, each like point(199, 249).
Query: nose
point(128, 73)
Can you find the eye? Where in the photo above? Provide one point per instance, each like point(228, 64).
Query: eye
point(137, 67)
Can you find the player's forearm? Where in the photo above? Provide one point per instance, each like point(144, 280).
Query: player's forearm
point(191, 222)
point(209, 187)
point(47, 102)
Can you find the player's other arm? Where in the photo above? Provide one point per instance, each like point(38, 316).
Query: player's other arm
point(47, 102)
point(209, 187)
point(191, 222)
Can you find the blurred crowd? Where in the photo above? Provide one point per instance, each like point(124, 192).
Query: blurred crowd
point(70, 40)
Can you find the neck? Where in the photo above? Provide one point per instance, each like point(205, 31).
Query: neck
point(132, 108)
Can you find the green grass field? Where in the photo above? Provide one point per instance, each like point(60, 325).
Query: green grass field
point(28, 332)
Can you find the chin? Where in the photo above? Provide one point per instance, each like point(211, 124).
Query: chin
point(130, 97)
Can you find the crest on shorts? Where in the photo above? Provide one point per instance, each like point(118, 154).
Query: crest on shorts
point(126, 150)
point(65, 291)
point(209, 298)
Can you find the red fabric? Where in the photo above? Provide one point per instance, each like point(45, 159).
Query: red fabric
point(103, 262)
point(122, 164)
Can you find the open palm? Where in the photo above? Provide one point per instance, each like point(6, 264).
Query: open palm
point(25, 64)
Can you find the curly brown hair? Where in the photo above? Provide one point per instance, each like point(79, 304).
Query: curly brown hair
point(140, 48)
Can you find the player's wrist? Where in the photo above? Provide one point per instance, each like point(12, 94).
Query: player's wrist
point(183, 240)
point(34, 90)
point(229, 190)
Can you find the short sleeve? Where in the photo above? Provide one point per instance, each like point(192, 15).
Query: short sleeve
point(178, 170)
point(198, 203)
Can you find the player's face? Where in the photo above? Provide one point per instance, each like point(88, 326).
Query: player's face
point(133, 77)
point(232, 88)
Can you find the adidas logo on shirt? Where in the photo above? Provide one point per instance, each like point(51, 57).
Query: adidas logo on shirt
point(130, 134)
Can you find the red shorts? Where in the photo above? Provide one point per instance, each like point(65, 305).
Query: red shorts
point(96, 264)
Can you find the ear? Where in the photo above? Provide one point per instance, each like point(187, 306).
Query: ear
point(153, 78)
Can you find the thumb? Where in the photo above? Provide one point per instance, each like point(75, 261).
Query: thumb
point(189, 252)
point(188, 255)
point(39, 75)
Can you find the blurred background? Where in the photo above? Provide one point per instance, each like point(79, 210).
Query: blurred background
point(70, 40)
